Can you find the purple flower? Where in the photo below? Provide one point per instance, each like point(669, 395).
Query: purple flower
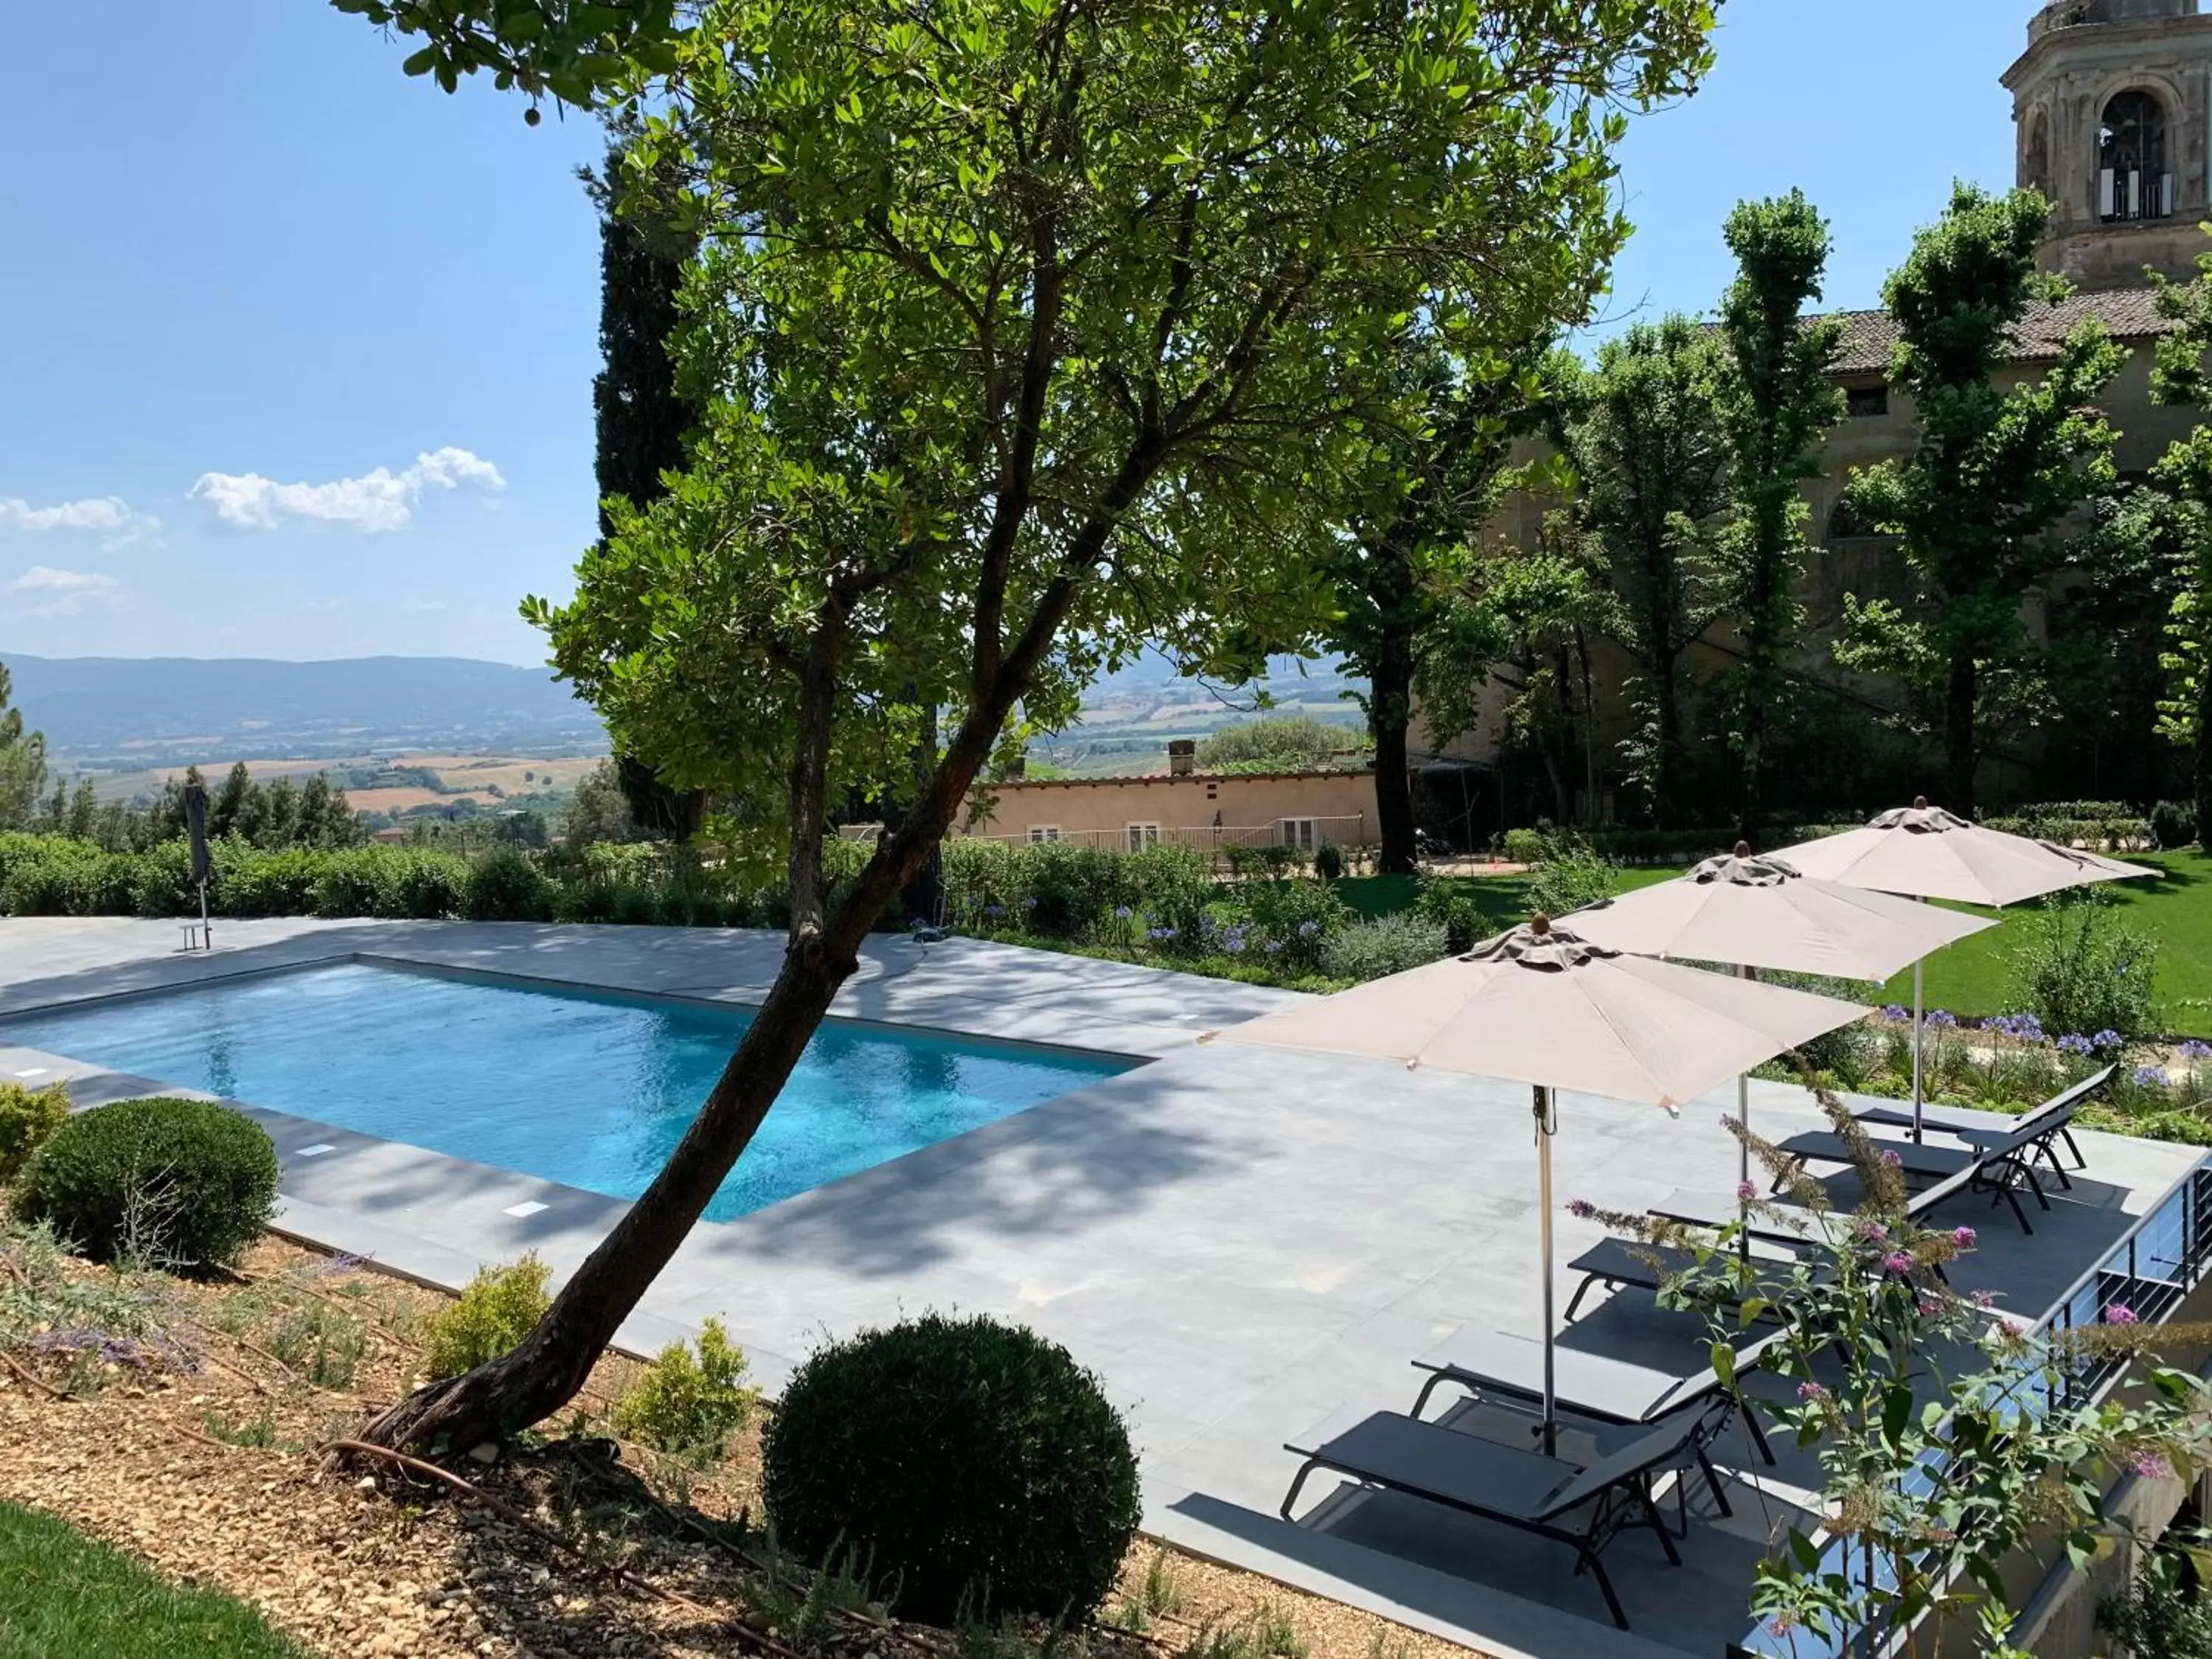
point(1273, 947)
point(2026, 1027)
point(2075, 1043)
point(1963, 1237)
point(2120, 1314)
point(2192, 1051)
point(2108, 1038)
point(1983, 1298)
point(1897, 1011)
point(1121, 913)
point(1028, 904)
point(1941, 1020)
point(1873, 1231)
point(1891, 1158)
point(2152, 1466)
point(2150, 1077)
point(1308, 929)
point(1930, 1307)
point(994, 911)
point(1157, 934)
point(1899, 1261)
point(1581, 1208)
point(1811, 1391)
point(1745, 1192)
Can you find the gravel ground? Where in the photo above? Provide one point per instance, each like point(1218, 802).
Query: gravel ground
point(388, 1564)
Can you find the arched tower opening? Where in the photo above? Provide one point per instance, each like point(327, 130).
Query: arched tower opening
point(2134, 180)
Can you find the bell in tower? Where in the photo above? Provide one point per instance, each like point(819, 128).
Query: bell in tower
point(2113, 100)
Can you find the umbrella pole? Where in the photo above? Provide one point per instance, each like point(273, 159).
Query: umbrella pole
point(1546, 1123)
point(206, 939)
point(1916, 1030)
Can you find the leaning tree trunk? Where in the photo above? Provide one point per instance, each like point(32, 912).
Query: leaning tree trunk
point(1962, 756)
point(501, 1399)
point(1390, 712)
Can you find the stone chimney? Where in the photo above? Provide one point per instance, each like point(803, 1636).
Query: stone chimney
point(1182, 756)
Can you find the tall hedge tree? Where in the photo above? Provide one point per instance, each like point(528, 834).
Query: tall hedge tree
point(1777, 406)
point(1987, 504)
point(639, 419)
point(2184, 473)
point(1651, 450)
point(1028, 318)
point(22, 763)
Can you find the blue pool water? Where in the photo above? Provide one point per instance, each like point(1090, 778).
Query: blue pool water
point(589, 1089)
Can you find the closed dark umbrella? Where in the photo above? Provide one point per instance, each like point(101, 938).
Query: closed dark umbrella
point(196, 820)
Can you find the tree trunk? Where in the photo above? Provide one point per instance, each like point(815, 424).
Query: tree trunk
point(502, 1398)
point(1389, 713)
point(1961, 757)
point(1668, 709)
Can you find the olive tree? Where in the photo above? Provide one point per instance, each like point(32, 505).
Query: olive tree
point(1027, 326)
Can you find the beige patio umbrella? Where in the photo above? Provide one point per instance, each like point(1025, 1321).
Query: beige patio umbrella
point(1926, 853)
point(1541, 1006)
point(1763, 913)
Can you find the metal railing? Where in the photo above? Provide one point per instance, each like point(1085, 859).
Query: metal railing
point(2150, 1271)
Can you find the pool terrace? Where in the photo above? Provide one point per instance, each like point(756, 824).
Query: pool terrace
point(1238, 1241)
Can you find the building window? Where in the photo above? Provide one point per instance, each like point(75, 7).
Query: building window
point(1045, 832)
point(1863, 403)
point(2132, 182)
point(1298, 833)
point(1142, 835)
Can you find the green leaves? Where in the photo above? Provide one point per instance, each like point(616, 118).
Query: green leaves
point(576, 53)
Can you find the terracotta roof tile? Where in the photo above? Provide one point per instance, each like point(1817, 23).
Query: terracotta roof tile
point(2129, 313)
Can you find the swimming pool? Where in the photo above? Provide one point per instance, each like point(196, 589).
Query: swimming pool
point(590, 1089)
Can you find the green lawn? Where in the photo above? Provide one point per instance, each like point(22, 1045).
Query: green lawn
point(1970, 977)
point(63, 1595)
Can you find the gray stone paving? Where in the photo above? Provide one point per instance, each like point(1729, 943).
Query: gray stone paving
point(1239, 1241)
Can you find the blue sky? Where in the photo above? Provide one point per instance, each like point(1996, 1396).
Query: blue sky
point(297, 353)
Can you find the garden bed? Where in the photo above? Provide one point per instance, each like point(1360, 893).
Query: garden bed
point(197, 1444)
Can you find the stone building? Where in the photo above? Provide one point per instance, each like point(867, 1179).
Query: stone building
point(2113, 100)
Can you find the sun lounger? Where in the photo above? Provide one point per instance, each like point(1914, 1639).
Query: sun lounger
point(1618, 1263)
point(1978, 1127)
point(1792, 1225)
point(1493, 1365)
point(1998, 1165)
point(1584, 1509)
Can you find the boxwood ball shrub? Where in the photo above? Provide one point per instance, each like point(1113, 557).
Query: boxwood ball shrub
point(28, 1118)
point(186, 1183)
point(974, 1464)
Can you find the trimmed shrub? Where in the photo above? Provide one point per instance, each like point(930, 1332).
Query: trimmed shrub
point(28, 1117)
point(1570, 873)
point(488, 1319)
point(182, 1182)
point(689, 1406)
point(973, 1464)
point(2173, 823)
point(1386, 946)
point(506, 886)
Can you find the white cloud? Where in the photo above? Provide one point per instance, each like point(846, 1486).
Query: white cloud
point(372, 503)
point(109, 513)
point(56, 592)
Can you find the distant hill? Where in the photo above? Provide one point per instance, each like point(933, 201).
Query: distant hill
point(124, 712)
point(1128, 717)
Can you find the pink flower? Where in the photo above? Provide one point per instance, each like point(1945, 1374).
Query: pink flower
point(1811, 1391)
point(1874, 1230)
point(1900, 1261)
point(2152, 1466)
point(1890, 1159)
point(1930, 1307)
point(1983, 1298)
point(2120, 1314)
point(1745, 1192)
point(1963, 1237)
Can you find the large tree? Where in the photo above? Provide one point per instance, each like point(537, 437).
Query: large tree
point(1777, 406)
point(1030, 322)
point(1418, 493)
point(1651, 451)
point(572, 50)
point(2185, 475)
point(22, 763)
point(1990, 504)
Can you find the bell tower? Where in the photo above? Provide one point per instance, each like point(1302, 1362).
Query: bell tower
point(2113, 101)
